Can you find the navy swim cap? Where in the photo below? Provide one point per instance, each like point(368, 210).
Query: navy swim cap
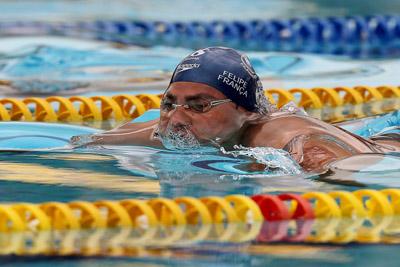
point(228, 71)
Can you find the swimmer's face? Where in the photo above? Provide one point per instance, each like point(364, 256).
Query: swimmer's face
point(220, 123)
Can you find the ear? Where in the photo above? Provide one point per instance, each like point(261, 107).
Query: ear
point(253, 116)
point(250, 116)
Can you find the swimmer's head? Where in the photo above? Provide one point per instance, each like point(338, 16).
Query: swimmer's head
point(212, 94)
point(229, 72)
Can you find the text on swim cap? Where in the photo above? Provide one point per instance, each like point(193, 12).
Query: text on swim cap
point(234, 81)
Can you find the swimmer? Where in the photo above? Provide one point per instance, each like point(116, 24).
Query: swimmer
point(216, 98)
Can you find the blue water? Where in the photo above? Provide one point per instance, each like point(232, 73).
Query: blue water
point(66, 66)
point(273, 255)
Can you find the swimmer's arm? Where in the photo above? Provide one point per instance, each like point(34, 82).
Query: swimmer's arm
point(129, 126)
point(127, 134)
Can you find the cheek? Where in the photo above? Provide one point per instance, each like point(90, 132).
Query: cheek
point(216, 125)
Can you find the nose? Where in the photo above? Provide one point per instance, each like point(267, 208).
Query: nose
point(178, 117)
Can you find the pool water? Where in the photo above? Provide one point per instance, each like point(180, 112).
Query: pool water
point(67, 66)
point(137, 172)
point(188, 172)
point(38, 174)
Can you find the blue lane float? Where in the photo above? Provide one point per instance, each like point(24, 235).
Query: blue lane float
point(357, 36)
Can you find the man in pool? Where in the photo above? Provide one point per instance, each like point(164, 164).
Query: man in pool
point(216, 98)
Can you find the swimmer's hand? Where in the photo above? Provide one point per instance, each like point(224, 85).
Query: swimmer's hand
point(295, 147)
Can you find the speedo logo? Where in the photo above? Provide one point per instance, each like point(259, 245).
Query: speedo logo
point(184, 67)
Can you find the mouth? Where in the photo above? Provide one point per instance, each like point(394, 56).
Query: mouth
point(175, 131)
point(184, 133)
point(174, 138)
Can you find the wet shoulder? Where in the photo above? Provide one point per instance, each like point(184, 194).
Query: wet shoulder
point(278, 130)
point(290, 124)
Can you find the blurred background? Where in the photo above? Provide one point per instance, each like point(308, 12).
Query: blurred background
point(187, 10)
point(82, 46)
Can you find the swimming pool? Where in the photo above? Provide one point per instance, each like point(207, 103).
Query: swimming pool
point(90, 174)
point(53, 87)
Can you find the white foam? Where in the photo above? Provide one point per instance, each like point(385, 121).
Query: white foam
point(276, 160)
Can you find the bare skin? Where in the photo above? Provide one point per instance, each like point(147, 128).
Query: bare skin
point(311, 142)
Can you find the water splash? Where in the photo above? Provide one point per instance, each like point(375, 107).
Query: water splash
point(276, 161)
point(82, 140)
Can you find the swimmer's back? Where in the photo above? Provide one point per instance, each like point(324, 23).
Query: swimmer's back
point(290, 126)
point(314, 144)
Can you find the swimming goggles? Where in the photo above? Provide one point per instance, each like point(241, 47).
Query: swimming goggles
point(199, 106)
